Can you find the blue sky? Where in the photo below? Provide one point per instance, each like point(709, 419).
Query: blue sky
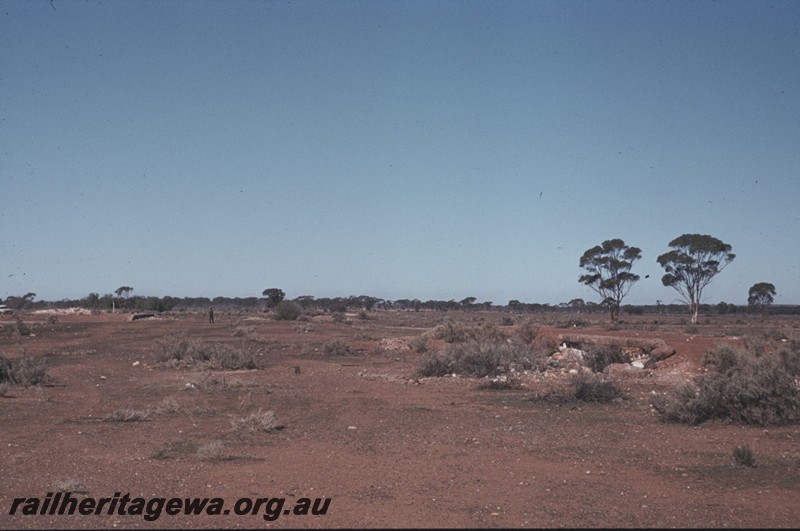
point(399, 149)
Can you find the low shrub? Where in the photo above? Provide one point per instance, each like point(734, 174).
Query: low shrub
point(435, 366)
point(21, 328)
point(181, 350)
point(743, 455)
point(526, 332)
point(450, 332)
point(288, 311)
point(418, 344)
point(128, 415)
point(479, 358)
point(243, 330)
point(740, 385)
point(26, 371)
point(336, 348)
point(573, 322)
point(511, 383)
point(598, 357)
point(256, 422)
point(213, 451)
point(590, 387)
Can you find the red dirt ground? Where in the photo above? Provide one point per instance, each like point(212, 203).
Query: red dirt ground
point(387, 450)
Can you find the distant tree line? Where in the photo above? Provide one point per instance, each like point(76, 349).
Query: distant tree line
point(353, 303)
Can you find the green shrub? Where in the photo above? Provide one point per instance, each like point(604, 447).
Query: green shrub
point(739, 385)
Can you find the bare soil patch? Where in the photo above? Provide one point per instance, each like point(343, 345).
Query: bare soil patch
point(355, 425)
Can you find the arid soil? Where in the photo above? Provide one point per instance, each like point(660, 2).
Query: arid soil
point(387, 449)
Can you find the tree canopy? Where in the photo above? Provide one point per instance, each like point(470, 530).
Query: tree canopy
point(123, 291)
point(695, 259)
point(274, 296)
point(608, 269)
point(761, 295)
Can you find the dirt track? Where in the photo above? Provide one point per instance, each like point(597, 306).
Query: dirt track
point(387, 450)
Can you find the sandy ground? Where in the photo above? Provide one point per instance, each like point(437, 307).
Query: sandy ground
point(386, 449)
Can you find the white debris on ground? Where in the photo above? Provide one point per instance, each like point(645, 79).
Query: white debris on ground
point(63, 311)
point(394, 343)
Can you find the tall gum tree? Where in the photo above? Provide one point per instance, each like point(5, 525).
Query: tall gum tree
point(695, 259)
point(608, 269)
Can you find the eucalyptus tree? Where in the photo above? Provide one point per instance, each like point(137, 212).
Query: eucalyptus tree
point(695, 259)
point(761, 295)
point(608, 269)
point(274, 296)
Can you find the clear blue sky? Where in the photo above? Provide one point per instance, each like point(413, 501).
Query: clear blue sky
point(399, 149)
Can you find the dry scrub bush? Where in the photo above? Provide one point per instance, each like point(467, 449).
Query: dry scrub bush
point(740, 385)
point(180, 350)
point(418, 344)
point(584, 386)
point(598, 357)
point(168, 405)
point(213, 451)
point(288, 311)
point(336, 348)
point(594, 388)
point(26, 371)
point(526, 332)
point(21, 328)
point(128, 415)
point(456, 332)
point(255, 422)
point(243, 330)
point(511, 383)
point(480, 358)
point(743, 455)
point(450, 332)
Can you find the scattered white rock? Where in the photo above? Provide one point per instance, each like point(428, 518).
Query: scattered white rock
point(352, 428)
point(103, 377)
point(135, 363)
